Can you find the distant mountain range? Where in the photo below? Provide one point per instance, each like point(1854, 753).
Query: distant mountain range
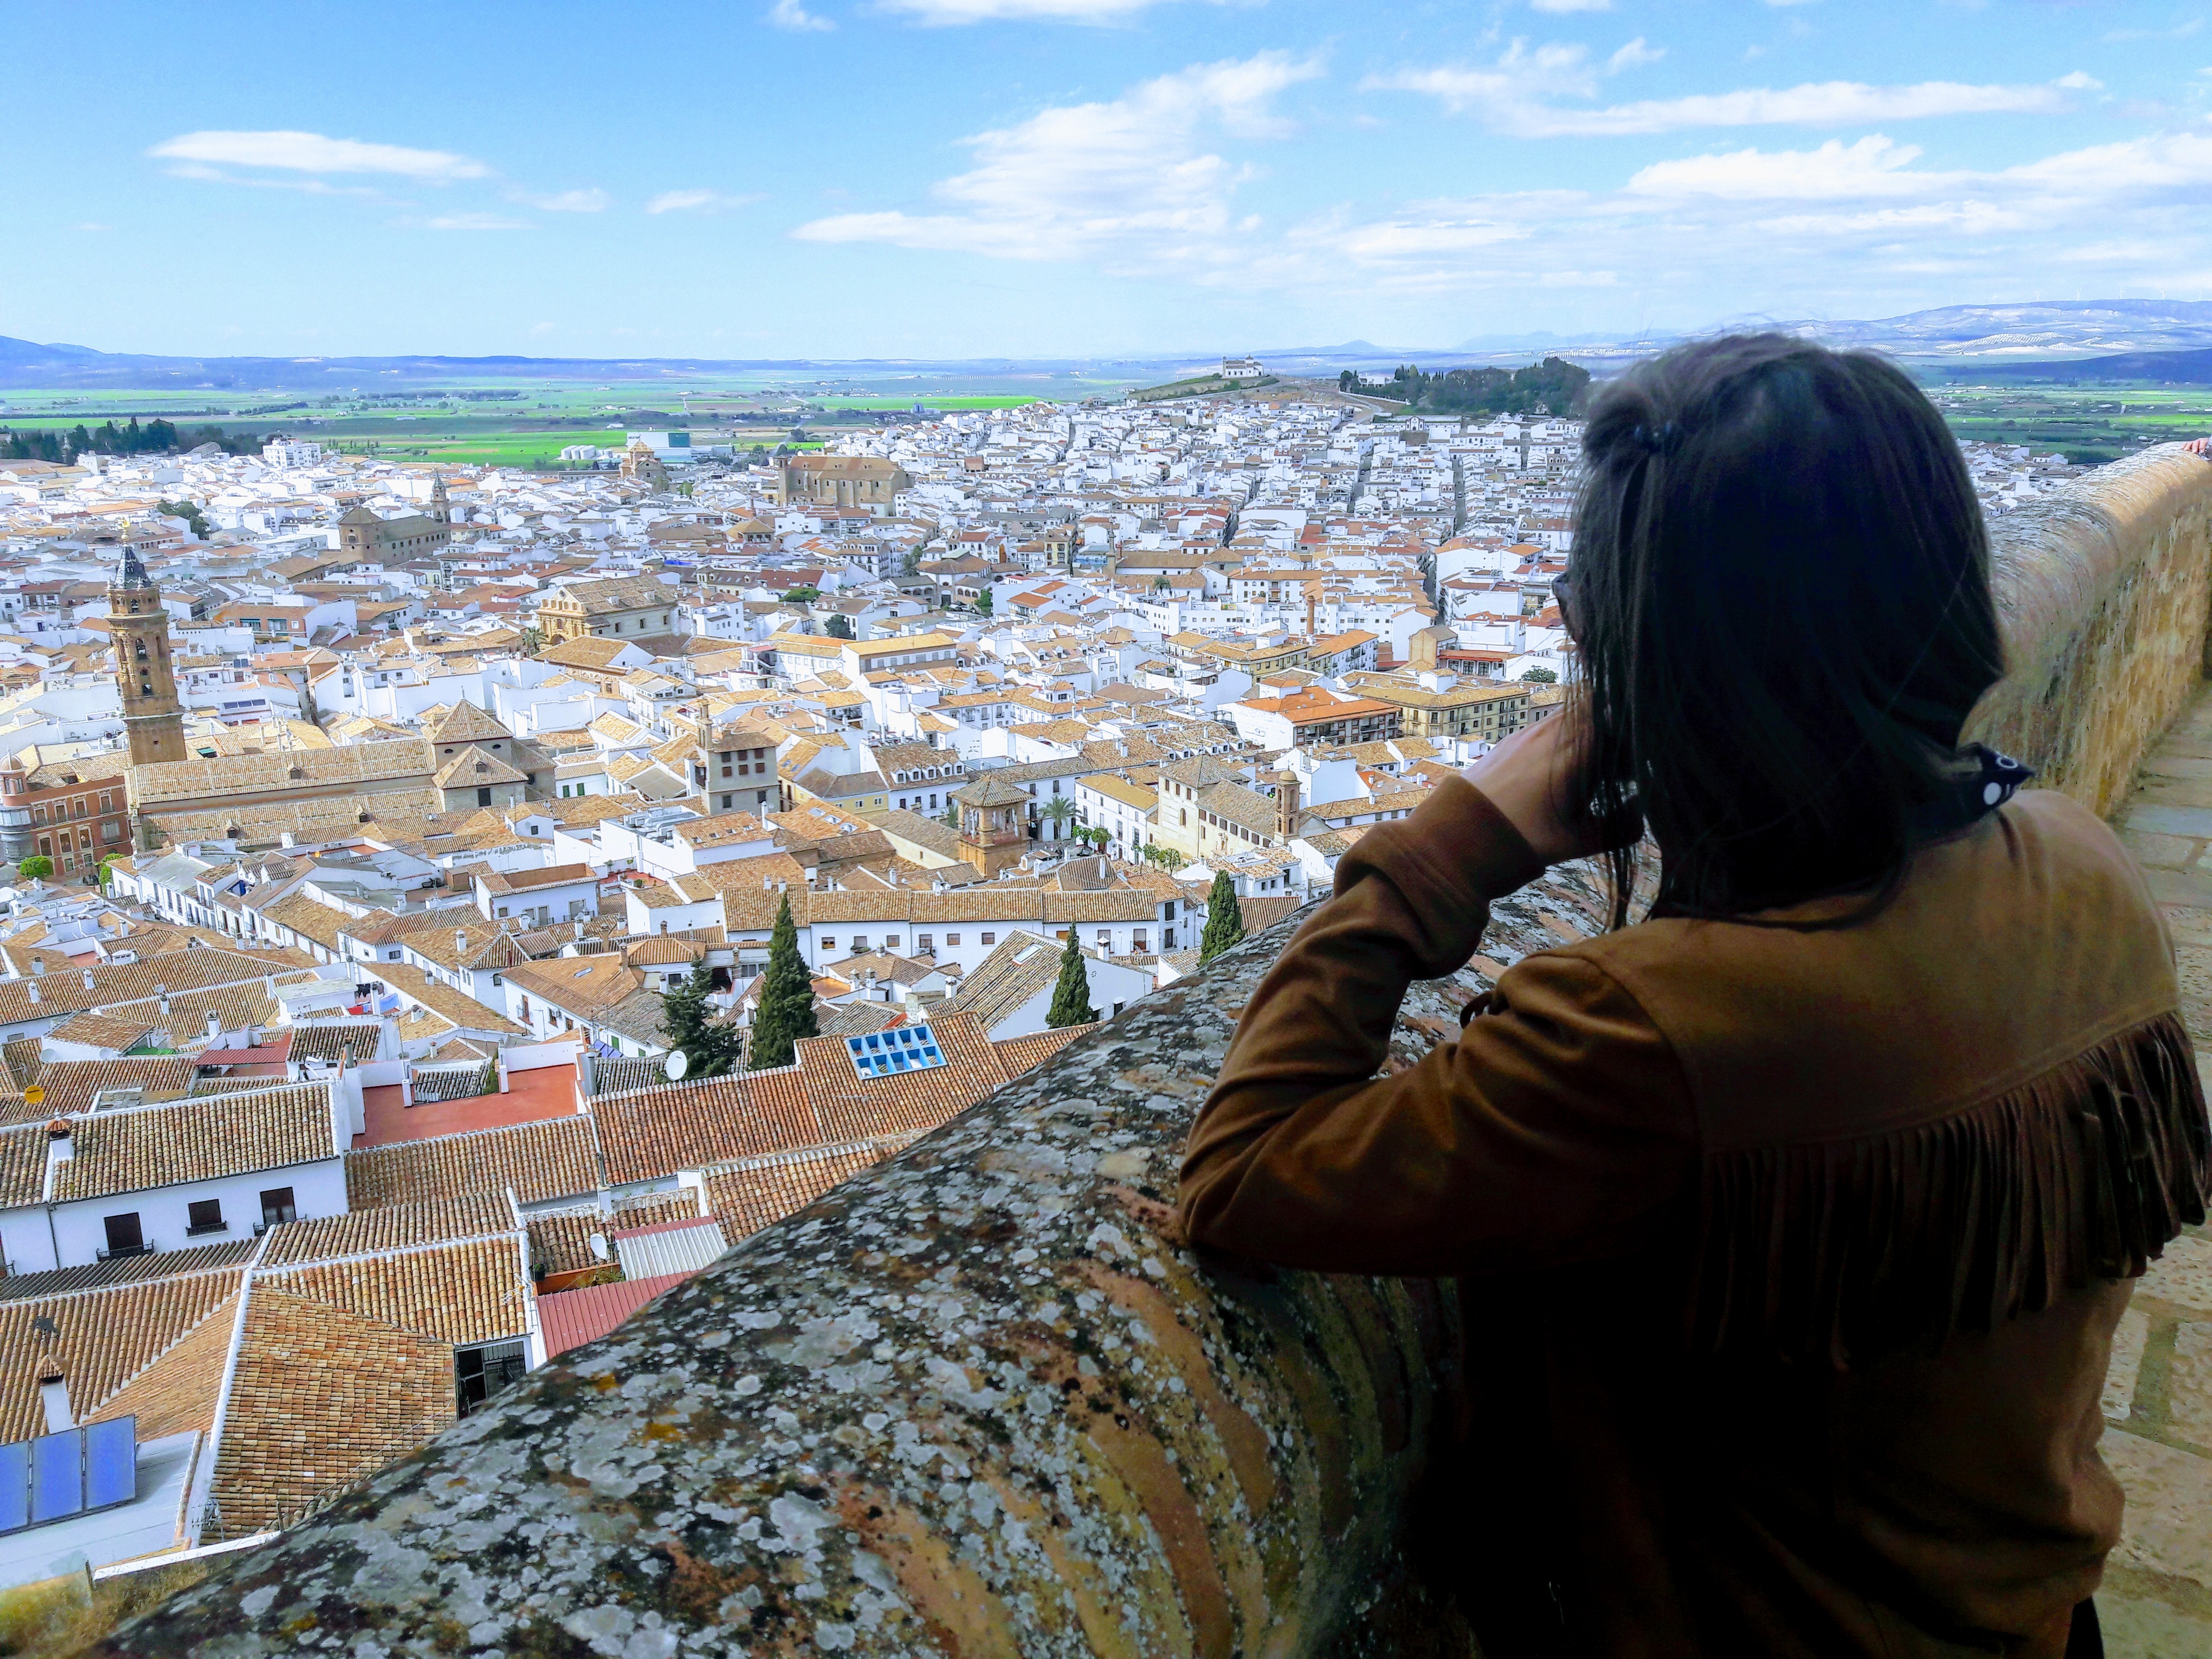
point(2159, 335)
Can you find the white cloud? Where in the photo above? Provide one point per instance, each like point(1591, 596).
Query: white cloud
point(566, 201)
point(1129, 183)
point(697, 201)
point(1519, 95)
point(949, 13)
point(1635, 55)
point(474, 221)
point(311, 152)
point(1872, 167)
point(2079, 82)
point(791, 15)
point(1570, 5)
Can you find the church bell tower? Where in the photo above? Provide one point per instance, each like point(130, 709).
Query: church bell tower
point(139, 629)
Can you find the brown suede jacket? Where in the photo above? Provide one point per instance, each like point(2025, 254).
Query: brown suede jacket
point(1792, 1252)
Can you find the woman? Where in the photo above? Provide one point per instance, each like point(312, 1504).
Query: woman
point(1795, 1218)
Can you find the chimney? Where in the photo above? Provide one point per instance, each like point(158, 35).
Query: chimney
point(87, 979)
point(53, 1395)
point(214, 1026)
point(580, 927)
point(33, 990)
point(161, 997)
point(460, 941)
point(61, 1141)
point(269, 985)
point(37, 968)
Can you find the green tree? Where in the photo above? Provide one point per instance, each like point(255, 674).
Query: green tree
point(1057, 810)
point(1540, 677)
point(687, 1019)
point(983, 603)
point(839, 627)
point(802, 595)
point(35, 867)
point(195, 520)
point(1224, 918)
point(1070, 997)
point(787, 997)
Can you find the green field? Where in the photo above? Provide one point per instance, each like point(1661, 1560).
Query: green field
point(2089, 425)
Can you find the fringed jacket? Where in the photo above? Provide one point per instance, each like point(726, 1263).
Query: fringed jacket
point(1791, 1247)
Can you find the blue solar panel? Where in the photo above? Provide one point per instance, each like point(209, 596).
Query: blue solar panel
point(15, 1486)
point(56, 1476)
point(902, 1048)
point(111, 1462)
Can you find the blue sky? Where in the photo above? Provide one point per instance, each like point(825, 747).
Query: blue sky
point(970, 177)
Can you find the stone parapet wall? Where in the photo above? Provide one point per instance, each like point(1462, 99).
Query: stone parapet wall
point(979, 1401)
point(2105, 588)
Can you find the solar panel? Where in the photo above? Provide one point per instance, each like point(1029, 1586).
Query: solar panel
point(15, 1486)
point(56, 1476)
point(902, 1048)
point(111, 1462)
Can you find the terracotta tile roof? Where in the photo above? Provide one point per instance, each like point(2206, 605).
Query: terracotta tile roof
point(128, 1270)
point(746, 1197)
point(118, 982)
point(555, 1158)
point(201, 1140)
point(273, 773)
point(389, 1227)
point(1024, 1054)
point(177, 1392)
point(100, 1340)
point(561, 1242)
point(470, 1291)
point(321, 1396)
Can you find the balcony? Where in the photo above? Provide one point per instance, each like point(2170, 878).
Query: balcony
point(979, 1401)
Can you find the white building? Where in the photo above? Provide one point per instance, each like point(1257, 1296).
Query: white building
point(1242, 369)
point(134, 1179)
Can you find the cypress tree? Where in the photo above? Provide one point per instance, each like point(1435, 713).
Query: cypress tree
point(1071, 998)
point(713, 1046)
point(787, 1003)
point(1224, 918)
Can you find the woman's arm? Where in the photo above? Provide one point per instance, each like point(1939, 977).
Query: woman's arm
point(1553, 1130)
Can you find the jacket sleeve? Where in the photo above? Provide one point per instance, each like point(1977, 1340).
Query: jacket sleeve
point(1556, 1130)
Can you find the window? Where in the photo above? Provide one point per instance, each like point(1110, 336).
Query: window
point(828, 944)
point(925, 942)
point(480, 1373)
point(1138, 941)
point(990, 939)
point(502, 909)
point(484, 797)
point(206, 1216)
point(860, 943)
point(123, 1236)
point(952, 941)
point(276, 1206)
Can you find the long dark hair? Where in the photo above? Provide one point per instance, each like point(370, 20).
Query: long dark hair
point(1780, 593)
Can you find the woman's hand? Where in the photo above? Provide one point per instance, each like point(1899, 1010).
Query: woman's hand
point(2202, 447)
point(1536, 778)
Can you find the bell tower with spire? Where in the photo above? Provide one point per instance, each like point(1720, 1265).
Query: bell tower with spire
point(139, 629)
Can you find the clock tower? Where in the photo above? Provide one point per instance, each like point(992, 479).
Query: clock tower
point(139, 629)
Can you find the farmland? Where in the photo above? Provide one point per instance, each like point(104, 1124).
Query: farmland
point(2087, 425)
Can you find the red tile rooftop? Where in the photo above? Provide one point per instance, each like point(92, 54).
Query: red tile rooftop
point(547, 1092)
point(569, 1319)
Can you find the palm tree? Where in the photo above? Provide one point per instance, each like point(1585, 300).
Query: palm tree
point(1057, 810)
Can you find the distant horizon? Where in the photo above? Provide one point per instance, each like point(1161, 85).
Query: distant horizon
point(2177, 310)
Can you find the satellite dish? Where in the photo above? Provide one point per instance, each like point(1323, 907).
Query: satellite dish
point(676, 1064)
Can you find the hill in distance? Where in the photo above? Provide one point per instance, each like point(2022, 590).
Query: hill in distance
point(2033, 335)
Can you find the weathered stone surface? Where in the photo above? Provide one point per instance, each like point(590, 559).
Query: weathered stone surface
point(979, 1401)
point(976, 1402)
point(2106, 591)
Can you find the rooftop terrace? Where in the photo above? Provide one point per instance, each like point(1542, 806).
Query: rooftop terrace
point(978, 1400)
